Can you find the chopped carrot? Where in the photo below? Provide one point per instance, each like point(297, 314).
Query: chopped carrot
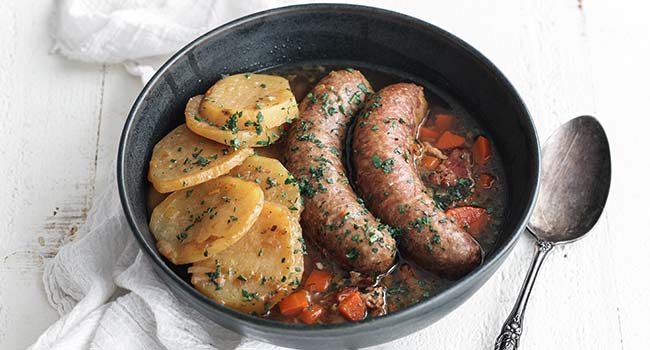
point(311, 314)
point(415, 149)
point(449, 140)
point(444, 122)
point(353, 308)
point(346, 292)
point(429, 162)
point(293, 304)
point(481, 150)
point(428, 134)
point(318, 281)
point(472, 219)
point(485, 181)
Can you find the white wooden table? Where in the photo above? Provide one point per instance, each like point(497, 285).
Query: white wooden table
point(61, 122)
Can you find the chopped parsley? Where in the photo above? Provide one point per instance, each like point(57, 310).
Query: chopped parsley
point(385, 165)
point(264, 143)
point(271, 182)
point(363, 88)
point(202, 161)
point(247, 296)
point(460, 191)
point(352, 254)
point(235, 143)
point(181, 236)
point(231, 123)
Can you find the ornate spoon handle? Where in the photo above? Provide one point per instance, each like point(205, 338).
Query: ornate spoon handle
point(511, 331)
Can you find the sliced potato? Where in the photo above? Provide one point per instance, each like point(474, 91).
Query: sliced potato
point(198, 222)
point(249, 101)
point(154, 198)
point(276, 181)
point(183, 159)
point(242, 138)
point(260, 269)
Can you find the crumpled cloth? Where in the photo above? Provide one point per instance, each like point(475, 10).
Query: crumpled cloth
point(130, 31)
point(109, 296)
point(101, 284)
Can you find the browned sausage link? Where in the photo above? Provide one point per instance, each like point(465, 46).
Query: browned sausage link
point(334, 217)
point(387, 179)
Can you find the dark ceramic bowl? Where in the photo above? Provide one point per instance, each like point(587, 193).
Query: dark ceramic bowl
point(348, 36)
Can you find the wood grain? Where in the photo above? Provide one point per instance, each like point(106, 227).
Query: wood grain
point(61, 124)
point(49, 128)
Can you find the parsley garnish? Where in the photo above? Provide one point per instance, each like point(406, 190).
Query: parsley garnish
point(363, 88)
point(271, 182)
point(352, 254)
point(249, 296)
point(386, 165)
point(231, 123)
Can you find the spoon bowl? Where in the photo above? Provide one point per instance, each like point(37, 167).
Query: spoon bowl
point(576, 173)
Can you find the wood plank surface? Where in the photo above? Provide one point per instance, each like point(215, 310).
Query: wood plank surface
point(62, 119)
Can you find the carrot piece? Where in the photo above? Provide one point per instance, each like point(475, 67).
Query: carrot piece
point(449, 140)
point(444, 122)
point(346, 292)
point(318, 281)
point(472, 219)
point(428, 134)
point(481, 150)
point(429, 162)
point(311, 314)
point(415, 149)
point(485, 181)
point(293, 304)
point(353, 308)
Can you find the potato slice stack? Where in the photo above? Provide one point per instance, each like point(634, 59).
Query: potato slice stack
point(232, 214)
point(243, 110)
point(260, 269)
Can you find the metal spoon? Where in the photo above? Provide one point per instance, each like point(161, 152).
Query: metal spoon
point(576, 173)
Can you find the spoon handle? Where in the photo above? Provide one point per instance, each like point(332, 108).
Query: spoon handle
point(511, 330)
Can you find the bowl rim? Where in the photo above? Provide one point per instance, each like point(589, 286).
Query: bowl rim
point(339, 329)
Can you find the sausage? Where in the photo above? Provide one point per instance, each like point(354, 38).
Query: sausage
point(387, 179)
point(334, 217)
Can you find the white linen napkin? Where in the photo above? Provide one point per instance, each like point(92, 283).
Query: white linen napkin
point(103, 287)
point(129, 31)
point(110, 297)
